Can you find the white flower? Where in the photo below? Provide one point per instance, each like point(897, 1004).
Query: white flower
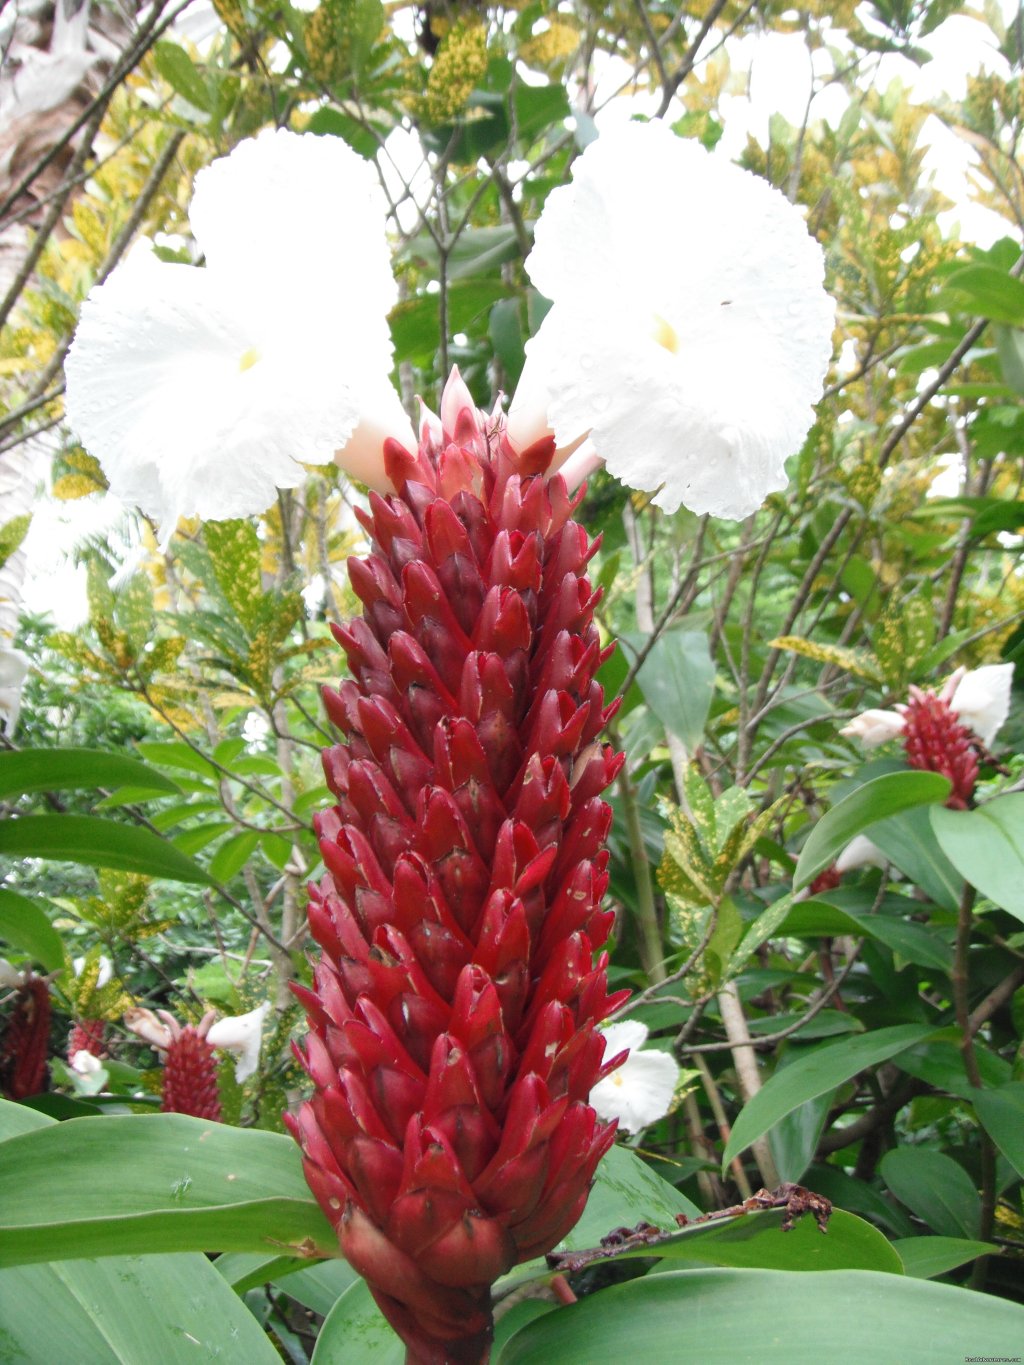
point(639, 1092)
point(689, 333)
point(981, 698)
point(874, 727)
point(85, 1063)
point(241, 1035)
point(200, 390)
point(10, 977)
point(861, 852)
point(106, 970)
point(14, 667)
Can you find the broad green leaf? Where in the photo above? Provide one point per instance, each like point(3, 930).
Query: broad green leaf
point(35, 770)
point(233, 854)
point(1002, 1115)
point(678, 681)
point(1010, 349)
point(991, 293)
point(908, 841)
point(940, 1062)
point(925, 1257)
point(820, 1071)
point(173, 753)
point(355, 1332)
point(869, 803)
point(771, 1317)
point(627, 1191)
point(911, 941)
point(935, 1188)
point(756, 1241)
point(244, 1270)
point(124, 1310)
point(319, 1286)
point(150, 1183)
point(16, 1119)
point(24, 924)
point(97, 843)
point(179, 71)
point(987, 847)
point(762, 929)
point(857, 1196)
point(794, 1139)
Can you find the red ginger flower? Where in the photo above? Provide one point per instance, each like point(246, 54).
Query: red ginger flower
point(453, 1041)
point(937, 741)
point(26, 1040)
point(190, 1067)
point(87, 1035)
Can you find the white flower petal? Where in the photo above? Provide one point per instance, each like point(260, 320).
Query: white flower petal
point(148, 1027)
point(630, 1033)
point(860, 852)
point(106, 969)
point(639, 1092)
point(982, 699)
point(689, 333)
point(10, 977)
point(85, 1063)
point(874, 727)
point(201, 391)
point(14, 666)
point(242, 1035)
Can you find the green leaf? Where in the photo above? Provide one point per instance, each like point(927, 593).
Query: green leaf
point(233, 854)
point(860, 810)
point(771, 1317)
point(173, 1309)
point(925, 1257)
point(16, 1119)
point(756, 1241)
point(538, 107)
point(908, 841)
point(415, 322)
point(355, 1332)
point(987, 847)
point(822, 1070)
point(1010, 349)
point(935, 1188)
point(911, 941)
point(1002, 1115)
point(677, 680)
point(992, 293)
point(179, 71)
point(237, 561)
point(940, 1063)
point(24, 924)
point(36, 770)
point(762, 929)
point(97, 843)
point(151, 1183)
point(12, 533)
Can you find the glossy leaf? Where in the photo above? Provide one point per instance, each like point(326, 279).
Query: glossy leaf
point(770, 1317)
point(36, 770)
point(356, 1333)
point(935, 1188)
point(151, 1183)
point(909, 842)
point(1002, 1114)
point(925, 1257)
point(24, 924)
point(97, 843)
point(987, 847)
point(866, 805)
point(173, 1309)
point(677, 679)
point(820, 1071)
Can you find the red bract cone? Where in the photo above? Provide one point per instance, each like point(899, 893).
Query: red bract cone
point(87, 1035)
point(25, 1041)
point(453, 1039)
point(937, 741)
point(190, 1072)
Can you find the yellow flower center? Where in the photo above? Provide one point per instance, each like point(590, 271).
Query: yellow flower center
point(249, 359)
point(665, 334)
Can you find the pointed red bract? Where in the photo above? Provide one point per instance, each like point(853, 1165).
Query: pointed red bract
point(453, 1041)
point(937, 741)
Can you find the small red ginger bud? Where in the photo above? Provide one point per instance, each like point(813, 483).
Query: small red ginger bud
point(25, 1041)
point(826, 881)
point(87, 1035)
point(936, 741)
point(190, 1072)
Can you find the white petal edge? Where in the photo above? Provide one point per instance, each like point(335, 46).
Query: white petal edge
point(982, 699)
point(242, 1035)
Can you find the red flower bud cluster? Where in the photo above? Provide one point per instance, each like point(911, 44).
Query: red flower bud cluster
point(88, 1035)
point(937, 741)
point(190, 1074)
point(25, 1043)
point(453, 1040)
